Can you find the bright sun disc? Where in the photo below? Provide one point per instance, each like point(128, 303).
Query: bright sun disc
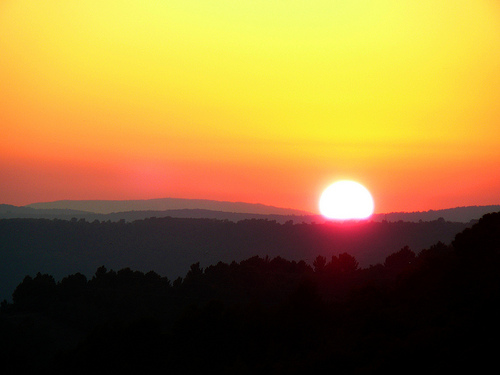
point(345, 200)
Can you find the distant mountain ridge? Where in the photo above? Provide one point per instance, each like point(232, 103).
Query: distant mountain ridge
point(8, 211)
point(163, 204)
point(458, 214)
point(221, 210)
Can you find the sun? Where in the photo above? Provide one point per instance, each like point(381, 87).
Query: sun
point(344, 200)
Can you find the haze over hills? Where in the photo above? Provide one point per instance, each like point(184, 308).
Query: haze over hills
point(457, 214)
point(163, 204)
point(130, 210)
point(132, 238)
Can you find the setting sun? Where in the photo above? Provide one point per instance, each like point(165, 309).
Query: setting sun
point(253, 101)
point(346, 200)
point(272, 162)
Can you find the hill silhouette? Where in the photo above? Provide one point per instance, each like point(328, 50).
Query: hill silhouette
point(234, 211)
point(10, 212)
point(459, 214)
point(162, 204)
point(169, 245)
point(435, 311)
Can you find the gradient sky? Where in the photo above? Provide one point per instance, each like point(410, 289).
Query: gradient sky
point(258, 101)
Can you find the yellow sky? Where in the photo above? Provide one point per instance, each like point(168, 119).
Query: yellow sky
point(259, 101)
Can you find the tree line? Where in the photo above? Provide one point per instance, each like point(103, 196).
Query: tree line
point(434, 311)
point(169, 246)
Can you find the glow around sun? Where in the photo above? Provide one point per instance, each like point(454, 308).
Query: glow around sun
point(345, 200)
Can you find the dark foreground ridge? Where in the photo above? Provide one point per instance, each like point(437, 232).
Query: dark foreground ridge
point(434, 312)
point(169, 245)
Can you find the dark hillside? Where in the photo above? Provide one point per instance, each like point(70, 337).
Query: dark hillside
point(434, 312)
point(169, 246)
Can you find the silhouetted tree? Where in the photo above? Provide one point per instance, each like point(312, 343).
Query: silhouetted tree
point(400, 260)
point(437, 254)
point(194, 274)
point(177, 282)
point(343, 263)
point(35, 293)
point(481, 240)
point(72, 286)
point(75, 281)
point(319, 263)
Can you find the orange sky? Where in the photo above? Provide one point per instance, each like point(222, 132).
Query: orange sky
point(259, 101)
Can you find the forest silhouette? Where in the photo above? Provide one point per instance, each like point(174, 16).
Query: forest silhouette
point(169, 246)
point(434, 311)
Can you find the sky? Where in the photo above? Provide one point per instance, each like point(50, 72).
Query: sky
point(256, 101)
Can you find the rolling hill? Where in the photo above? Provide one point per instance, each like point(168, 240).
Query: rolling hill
point(130, 210)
